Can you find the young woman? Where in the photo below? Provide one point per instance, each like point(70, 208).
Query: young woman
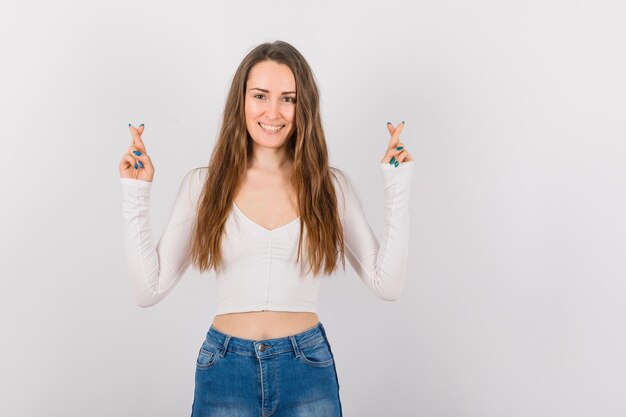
point(272, 218)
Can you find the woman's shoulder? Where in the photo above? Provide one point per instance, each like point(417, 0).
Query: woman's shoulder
point(196, 175)
point(344, 189)
point(339, 176)
point(342, 181)
point(192, 183)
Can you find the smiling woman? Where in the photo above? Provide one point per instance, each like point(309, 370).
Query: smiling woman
point(270, 104)
point(271, 217)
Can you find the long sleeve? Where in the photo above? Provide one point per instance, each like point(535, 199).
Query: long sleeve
point(382, 267)
point(156, 269)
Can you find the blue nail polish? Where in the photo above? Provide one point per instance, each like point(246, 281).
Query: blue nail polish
point(392, 160)
point(140, 164)
point(403, 122)
point(135, 166)
point(129, 125)
point(141, 125)
point(399, 148)
point(137, 153)
point(396, 164)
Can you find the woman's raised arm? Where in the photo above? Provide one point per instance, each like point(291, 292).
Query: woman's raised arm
point(382, 266)
point(155, 269)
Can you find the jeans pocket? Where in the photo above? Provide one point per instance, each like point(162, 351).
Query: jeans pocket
point(208, 355)
point(318, 355)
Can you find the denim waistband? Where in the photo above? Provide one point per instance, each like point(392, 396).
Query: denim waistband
point(267, 347)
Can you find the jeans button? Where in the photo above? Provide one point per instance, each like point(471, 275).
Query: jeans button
point(263, 347)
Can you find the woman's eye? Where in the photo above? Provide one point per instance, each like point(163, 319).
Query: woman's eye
point(258, 95)
point(290, 99)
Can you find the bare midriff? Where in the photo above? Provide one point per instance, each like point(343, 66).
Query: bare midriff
point(261, 325)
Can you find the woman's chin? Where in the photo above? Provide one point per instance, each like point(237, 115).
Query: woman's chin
point(269, 141)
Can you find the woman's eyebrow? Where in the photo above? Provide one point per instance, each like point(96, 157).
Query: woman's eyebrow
point(267, 91)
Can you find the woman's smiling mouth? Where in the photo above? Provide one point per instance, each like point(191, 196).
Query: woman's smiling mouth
point(271, 128)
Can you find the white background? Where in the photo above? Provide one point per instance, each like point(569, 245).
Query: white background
point(514, 303)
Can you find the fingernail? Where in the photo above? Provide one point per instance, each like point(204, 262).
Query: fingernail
point(137, 153)
point(141, 125)
point(392, 160)
point(399, 148)
point(135, 166)
point(396, 164)
point(129, 125)
point(403, 122)
point(388, 123)
point(140, 164)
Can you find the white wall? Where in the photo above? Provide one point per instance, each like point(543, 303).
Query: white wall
point(514, 113)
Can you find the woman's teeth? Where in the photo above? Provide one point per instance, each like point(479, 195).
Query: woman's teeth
point(270, 128)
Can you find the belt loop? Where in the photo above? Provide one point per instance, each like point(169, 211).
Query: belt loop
point(321, 327)
point(225, 346)
point(296, 349)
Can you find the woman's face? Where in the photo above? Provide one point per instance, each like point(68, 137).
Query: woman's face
point(270, 103)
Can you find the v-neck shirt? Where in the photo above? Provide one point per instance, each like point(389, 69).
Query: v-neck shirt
point(242, 214)
point(259, 270)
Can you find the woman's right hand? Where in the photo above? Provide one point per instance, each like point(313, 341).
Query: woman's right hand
point(138, 165)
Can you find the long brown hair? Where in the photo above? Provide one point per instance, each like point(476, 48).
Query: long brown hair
point(310, 175)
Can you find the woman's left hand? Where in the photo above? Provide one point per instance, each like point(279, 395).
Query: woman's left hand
point(396, 152)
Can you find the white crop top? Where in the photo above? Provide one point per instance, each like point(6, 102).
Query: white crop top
point(260, 272)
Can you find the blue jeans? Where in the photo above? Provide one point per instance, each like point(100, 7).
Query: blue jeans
point(284, 377)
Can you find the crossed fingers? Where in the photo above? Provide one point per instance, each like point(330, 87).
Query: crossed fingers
point(396, 152)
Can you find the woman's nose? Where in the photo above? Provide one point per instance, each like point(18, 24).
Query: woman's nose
point(273, 109)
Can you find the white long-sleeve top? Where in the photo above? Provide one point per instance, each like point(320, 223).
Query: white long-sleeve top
point(260, 271)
